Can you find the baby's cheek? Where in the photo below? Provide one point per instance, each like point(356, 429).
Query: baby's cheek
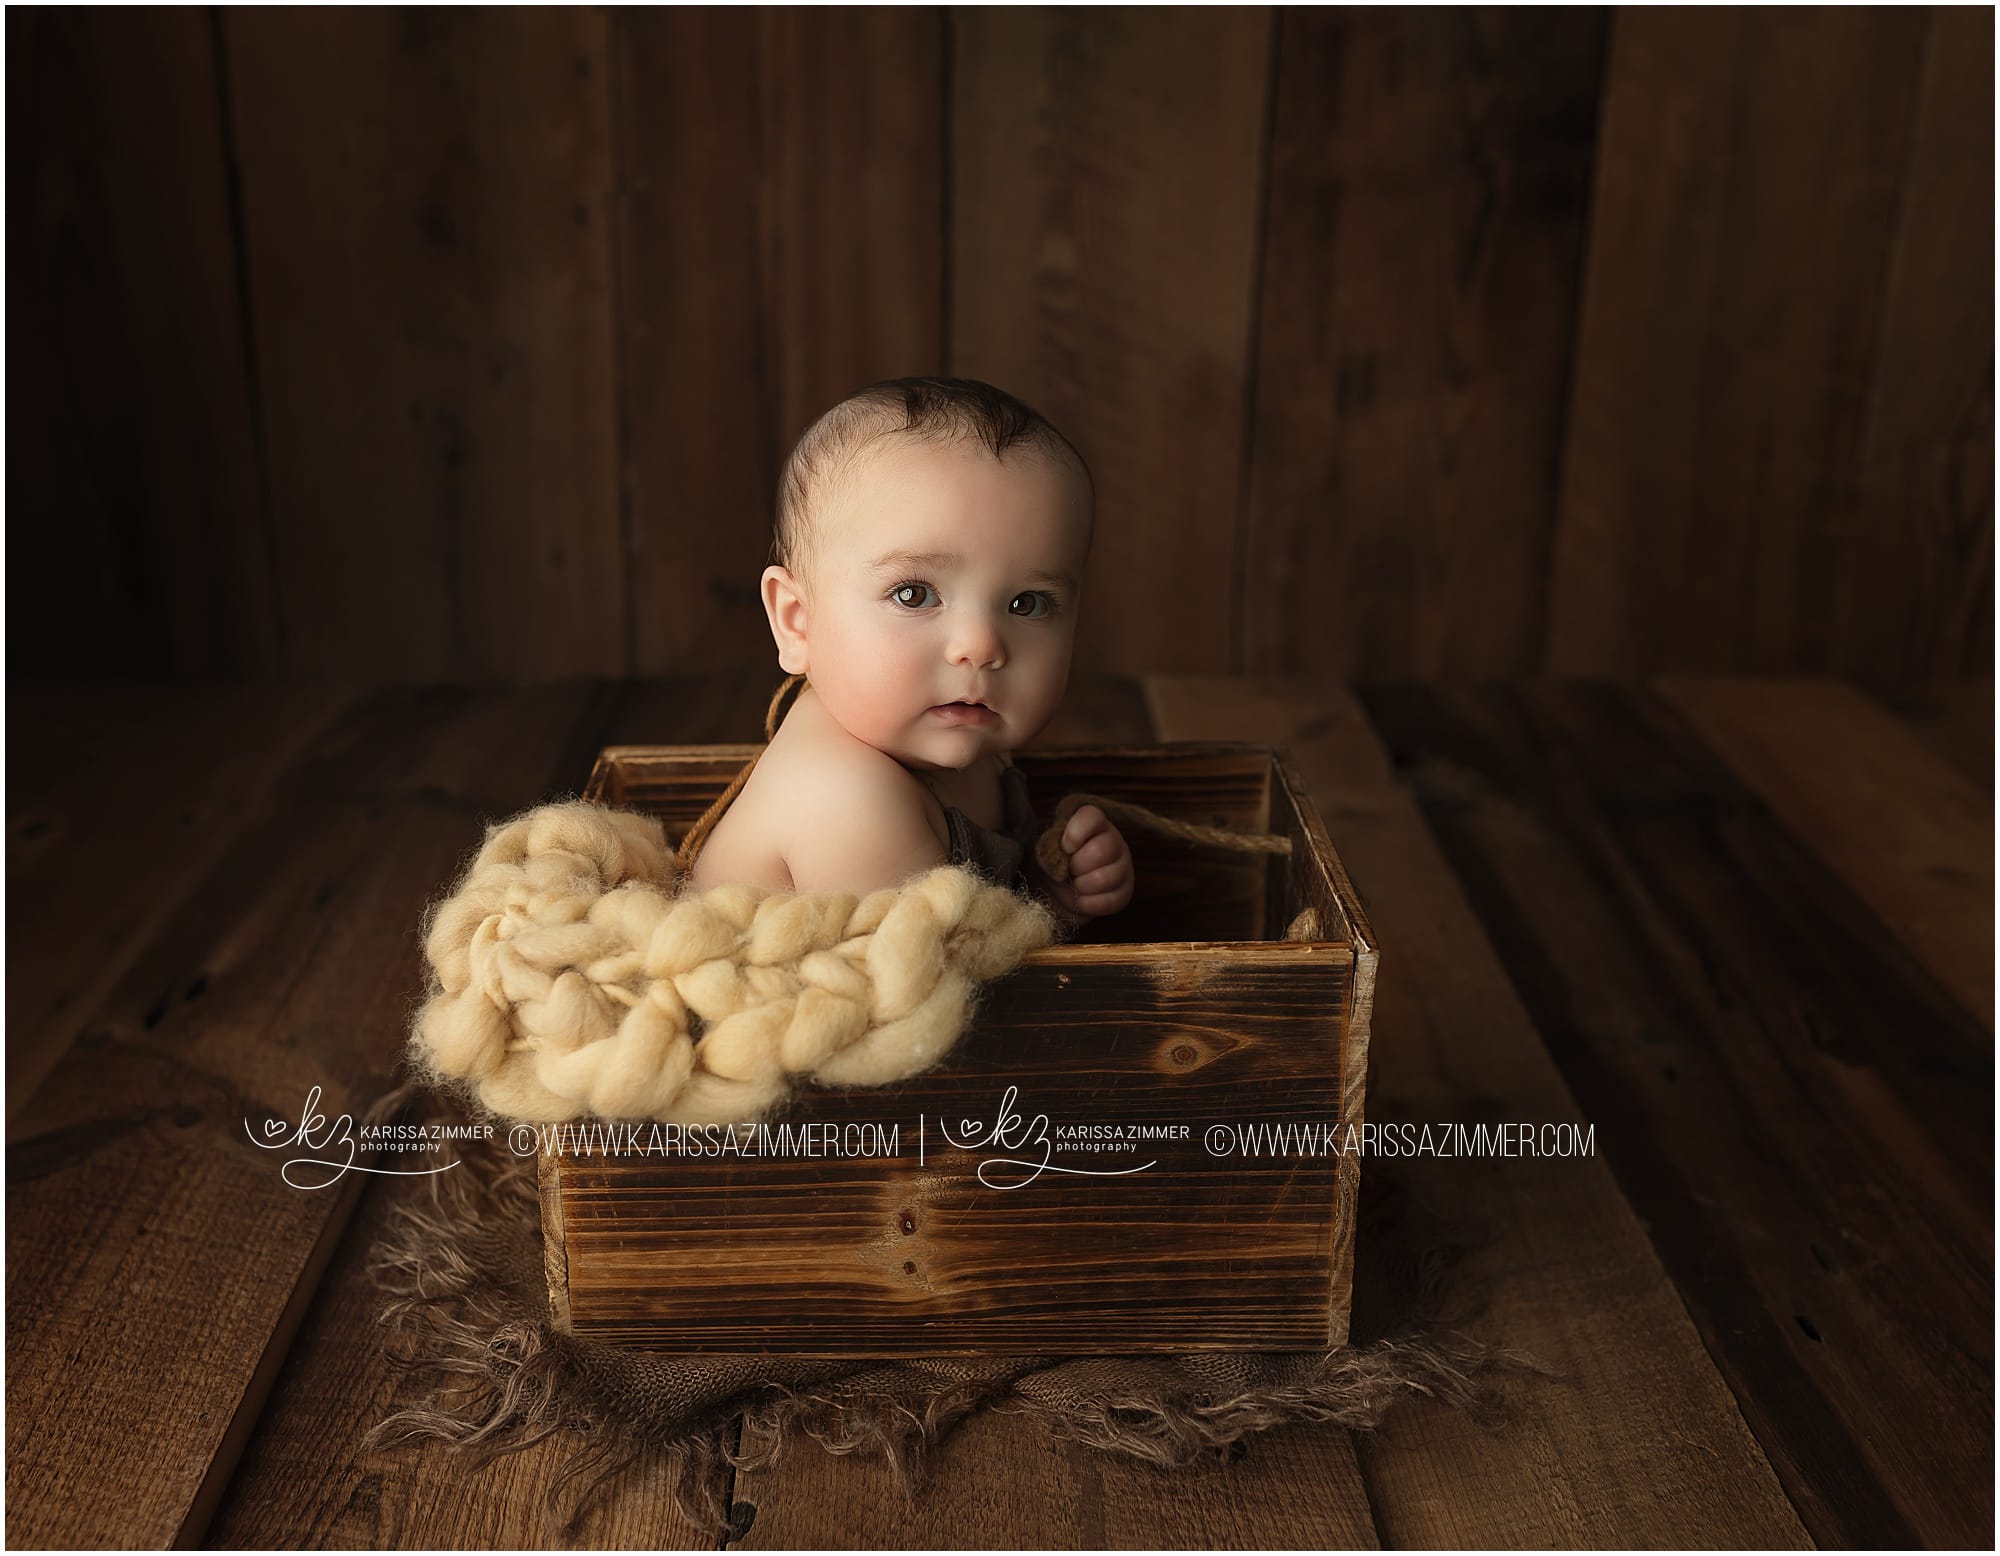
point(901, 675)
point(885, 713)
point(879, 677)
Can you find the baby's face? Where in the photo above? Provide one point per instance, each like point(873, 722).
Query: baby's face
point(941, 576)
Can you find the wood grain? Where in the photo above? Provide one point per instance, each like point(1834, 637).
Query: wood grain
point(1917, 565)
point(1909, 834)
point(134, 482)
point(699, 446)
point(426, 199)
point(1103, 229)
point(1801, 1115)
point(1002, 1482)
point(781, 246)
point(91, 846)
point(172, 1263)
point(1753, 169)
point(468, 346)
point(853, 188)
point(1638, 1442)
point(1429, 174)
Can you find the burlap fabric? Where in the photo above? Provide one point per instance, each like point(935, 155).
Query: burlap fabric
point(466, 1313)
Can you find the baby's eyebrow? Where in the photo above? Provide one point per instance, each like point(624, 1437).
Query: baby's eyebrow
point(895, 561)
point(905, 561)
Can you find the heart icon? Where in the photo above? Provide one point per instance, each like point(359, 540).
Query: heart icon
point(967, 1125)
point(274, 1126)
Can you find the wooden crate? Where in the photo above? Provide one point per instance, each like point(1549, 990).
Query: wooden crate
point(1185, 1074)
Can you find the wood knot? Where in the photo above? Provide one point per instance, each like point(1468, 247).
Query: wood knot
point(1181, 1053)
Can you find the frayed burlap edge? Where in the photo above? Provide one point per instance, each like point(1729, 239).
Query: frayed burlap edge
point(466, 1317)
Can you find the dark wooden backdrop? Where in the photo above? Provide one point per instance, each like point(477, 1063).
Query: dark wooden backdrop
point(459, 344)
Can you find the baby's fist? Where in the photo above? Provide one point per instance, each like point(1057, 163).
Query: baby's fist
point(1100, 866)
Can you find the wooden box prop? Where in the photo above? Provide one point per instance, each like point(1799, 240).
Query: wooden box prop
point(1140, 1143)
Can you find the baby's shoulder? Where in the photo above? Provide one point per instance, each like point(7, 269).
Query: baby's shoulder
point(839, 813)
point(821, 777)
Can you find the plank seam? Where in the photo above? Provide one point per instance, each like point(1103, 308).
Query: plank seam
point(1551, 536)
point(246, 325)
point(1260, 238)
point(620, 228)
point(947, 187)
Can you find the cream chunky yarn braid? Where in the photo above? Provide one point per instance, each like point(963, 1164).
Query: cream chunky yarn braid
point(570, 979)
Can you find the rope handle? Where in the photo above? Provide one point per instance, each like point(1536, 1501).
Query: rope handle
point(1055, 863)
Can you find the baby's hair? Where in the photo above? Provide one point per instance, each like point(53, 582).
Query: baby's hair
point(938, 410)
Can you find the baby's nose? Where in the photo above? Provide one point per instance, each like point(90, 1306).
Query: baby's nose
point(978, 642)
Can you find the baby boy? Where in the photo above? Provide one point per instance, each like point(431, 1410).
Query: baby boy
point(930, 546)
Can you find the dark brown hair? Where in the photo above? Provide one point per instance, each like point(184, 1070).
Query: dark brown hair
point(930, 409)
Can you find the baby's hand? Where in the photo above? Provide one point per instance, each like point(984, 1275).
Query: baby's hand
point(1100, 866)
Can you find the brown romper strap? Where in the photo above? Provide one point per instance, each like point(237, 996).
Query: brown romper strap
point(698, 833)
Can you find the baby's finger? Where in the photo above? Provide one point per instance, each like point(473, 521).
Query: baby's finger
point(1100, 850)
point(1084, 825)
point(1099, 903)
point(1104, 878)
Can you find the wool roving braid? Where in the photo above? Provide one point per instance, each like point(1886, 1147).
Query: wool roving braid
point(573, 977)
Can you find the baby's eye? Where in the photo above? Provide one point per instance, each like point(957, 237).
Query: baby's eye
point(911, 594)
point(1034, 605)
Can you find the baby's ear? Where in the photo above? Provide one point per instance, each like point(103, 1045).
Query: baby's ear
point(785, 606)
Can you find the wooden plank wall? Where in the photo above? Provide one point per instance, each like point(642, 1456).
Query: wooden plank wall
point(1780, 454)
point(413, 345)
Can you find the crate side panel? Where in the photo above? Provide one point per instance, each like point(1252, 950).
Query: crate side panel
point(1102, 1165)
point(555, 1240)
point(1353, 1113)
point(1310, 877)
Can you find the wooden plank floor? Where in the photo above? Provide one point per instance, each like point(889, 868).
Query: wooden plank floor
point(1743, 929)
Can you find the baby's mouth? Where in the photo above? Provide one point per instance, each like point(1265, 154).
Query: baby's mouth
point(964, 712)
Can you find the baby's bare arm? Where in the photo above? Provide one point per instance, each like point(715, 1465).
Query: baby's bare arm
point(856, 822)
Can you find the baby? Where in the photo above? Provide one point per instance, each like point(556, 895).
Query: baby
point(930, 546)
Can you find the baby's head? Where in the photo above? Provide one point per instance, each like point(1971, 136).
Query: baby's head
point(930, 546)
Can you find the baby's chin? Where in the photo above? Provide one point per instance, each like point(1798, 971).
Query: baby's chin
point(953, 749)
